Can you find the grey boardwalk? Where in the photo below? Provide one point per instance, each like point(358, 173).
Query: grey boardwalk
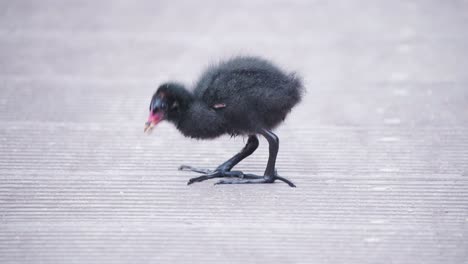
point(378, 148)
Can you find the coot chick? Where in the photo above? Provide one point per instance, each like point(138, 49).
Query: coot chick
point(242, 96)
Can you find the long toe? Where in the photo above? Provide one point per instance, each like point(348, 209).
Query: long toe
point(204, 178)
point(221, 174)
point(243, 181)
point(253, 179)
point(194, 169)
point(288, 182)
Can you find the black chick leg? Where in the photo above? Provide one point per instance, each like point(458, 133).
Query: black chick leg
point(270, 174)
point(224, 170)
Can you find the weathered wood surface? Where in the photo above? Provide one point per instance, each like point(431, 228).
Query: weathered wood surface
point(378, 149)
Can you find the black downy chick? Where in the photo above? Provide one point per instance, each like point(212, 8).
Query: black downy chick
point(241, 96)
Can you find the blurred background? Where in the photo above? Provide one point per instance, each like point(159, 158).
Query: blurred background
point(378, 147)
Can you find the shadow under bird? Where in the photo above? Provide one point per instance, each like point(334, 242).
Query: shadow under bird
point(246, 96)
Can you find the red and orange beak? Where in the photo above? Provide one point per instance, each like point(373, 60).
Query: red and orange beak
point(153, 120)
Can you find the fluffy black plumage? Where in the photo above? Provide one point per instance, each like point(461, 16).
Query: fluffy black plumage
point(239, 96)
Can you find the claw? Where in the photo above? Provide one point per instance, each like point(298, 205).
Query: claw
point(183, 167)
